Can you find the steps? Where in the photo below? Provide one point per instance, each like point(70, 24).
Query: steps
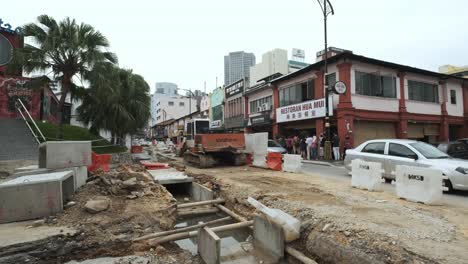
point(16, 141)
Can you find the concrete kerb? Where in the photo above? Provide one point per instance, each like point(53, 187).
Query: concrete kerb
point(209, 246)
point(269, 237)
point(322, 163)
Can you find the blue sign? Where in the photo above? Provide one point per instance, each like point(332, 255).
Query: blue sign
point(7, 27)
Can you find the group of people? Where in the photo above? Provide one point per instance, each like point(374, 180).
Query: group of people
point(311, 147)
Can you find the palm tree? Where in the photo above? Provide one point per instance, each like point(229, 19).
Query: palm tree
point(67, 49)
point(117, 101)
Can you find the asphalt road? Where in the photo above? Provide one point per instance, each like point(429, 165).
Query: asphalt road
point(459, 198)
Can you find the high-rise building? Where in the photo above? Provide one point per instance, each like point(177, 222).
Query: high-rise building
point(166, 88)
point(276, 61)
point(237, 66)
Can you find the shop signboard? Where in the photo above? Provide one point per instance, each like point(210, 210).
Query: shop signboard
point(258, 120)
point(302, 111)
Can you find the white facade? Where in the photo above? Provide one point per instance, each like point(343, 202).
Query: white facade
point(166, 88)
point(205, 106)
point(275, 61)
point(171, 107)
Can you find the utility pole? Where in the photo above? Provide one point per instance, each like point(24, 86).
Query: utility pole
point(327, 147)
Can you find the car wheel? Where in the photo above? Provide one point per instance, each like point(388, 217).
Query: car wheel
point(448, 184)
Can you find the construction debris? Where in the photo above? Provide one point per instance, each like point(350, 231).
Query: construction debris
point(96, 206)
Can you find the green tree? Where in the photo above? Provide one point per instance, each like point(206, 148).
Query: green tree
point(117, 101)
point(67, 49)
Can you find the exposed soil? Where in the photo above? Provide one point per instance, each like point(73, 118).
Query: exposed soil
point(341, 224)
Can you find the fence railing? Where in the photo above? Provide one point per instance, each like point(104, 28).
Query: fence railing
point(27, 119)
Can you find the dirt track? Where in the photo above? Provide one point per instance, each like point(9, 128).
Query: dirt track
point(371, 224)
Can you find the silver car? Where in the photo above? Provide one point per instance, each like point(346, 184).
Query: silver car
point(393, 152)
point(274, 146)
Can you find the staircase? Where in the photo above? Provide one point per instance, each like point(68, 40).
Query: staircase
point(16, 141)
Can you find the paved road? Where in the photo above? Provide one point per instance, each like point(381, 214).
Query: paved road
point(459, 198)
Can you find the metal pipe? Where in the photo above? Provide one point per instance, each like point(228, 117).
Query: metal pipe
point(185, 235)
point(198, 212)
point(186, 205)
point(179, 230)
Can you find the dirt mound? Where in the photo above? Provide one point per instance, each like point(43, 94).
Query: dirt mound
point(137, 206)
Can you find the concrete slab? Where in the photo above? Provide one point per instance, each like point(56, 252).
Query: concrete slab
point(269, 237)
point(80, 174)
point(209, 246)
point(167, 174)
point(19, 232)
point(140, 156)
point(26, 168)
point(64, 154)
point(200, 192)
point(36, 196)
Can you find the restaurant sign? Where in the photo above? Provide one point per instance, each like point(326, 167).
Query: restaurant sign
point(301, 111)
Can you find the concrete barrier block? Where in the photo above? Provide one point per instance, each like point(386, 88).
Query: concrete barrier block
point(292, 163)
point(64, 154)
point(209, 246)
point(419, 184)
point(260, 143)
point(201, 193)
point(366, 175)
point(249, 143)
point(269, 237)
point(259, 160)
point(81, 175)
point(35, 196)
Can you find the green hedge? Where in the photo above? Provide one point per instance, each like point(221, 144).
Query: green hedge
point(79, 134)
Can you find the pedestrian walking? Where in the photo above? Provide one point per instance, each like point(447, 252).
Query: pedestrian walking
point(336, 147)
point(309, 141)
point(296, 145)
point(303, 146)
point(314, 147)
point(289, 144)
point(321, 145)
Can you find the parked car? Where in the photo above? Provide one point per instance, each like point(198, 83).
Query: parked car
point(274, 146)
point(393, 152)
point(456, 149)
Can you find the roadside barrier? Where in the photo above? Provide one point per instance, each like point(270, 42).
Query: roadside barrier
point(154, 165)
point(292, 163)
point(137, 149)
point(418, 184)
point(100, 161)
point(366, 175)
point(274, 161)
point(259, 160)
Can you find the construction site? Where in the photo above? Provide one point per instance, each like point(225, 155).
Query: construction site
point(154, 207)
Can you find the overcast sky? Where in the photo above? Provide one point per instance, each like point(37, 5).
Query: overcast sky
point(184, 41)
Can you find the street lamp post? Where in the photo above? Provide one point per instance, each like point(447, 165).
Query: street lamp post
point(326, 12)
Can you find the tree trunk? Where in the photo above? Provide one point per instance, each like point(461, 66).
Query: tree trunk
point(65, 89)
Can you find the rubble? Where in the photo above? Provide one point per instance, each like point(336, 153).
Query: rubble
point(96, 206)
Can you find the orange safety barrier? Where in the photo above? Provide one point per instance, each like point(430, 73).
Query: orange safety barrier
point(154, 165)
point(137, 149)
point(275, 161)
point(100, 161)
